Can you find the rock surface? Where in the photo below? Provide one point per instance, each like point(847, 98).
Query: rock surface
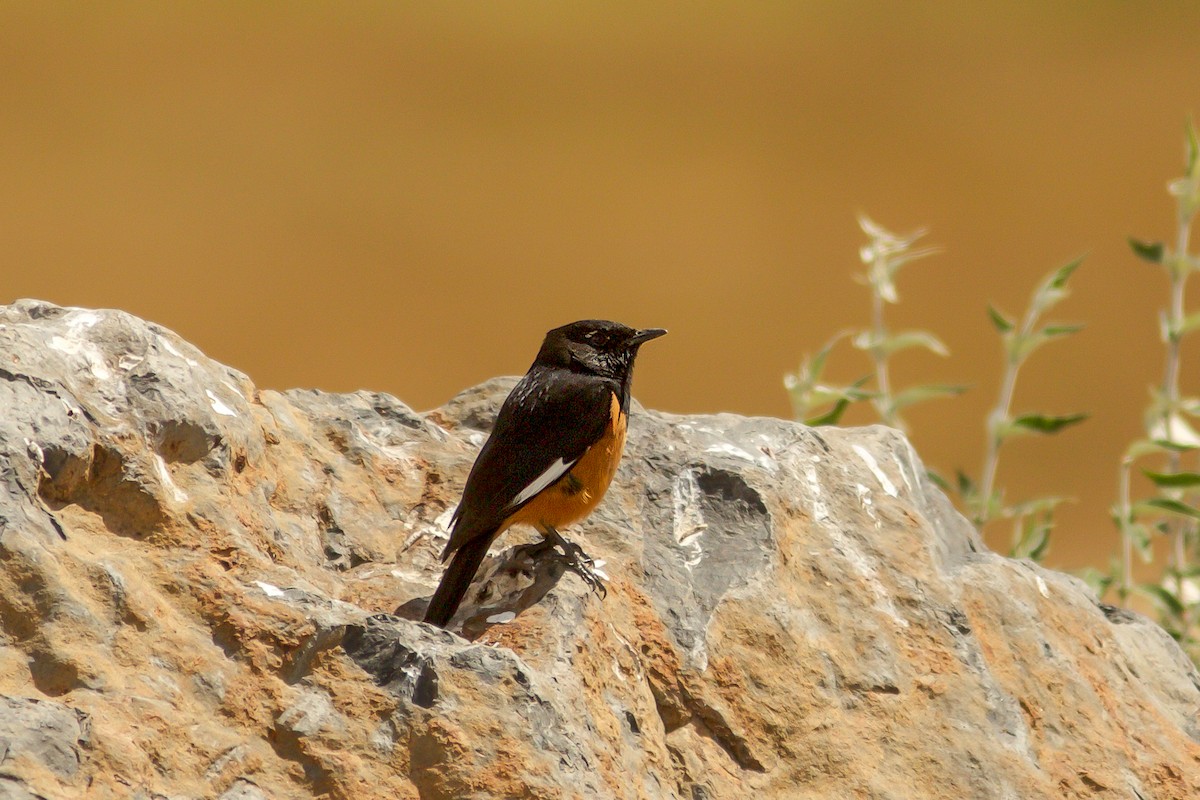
point(199, 583)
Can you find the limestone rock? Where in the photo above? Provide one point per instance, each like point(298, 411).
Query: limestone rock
point(209, 590)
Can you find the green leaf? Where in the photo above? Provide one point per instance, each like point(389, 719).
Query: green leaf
point(806, 391)
point(1033, 541)
point(1147, 251)
point(888, 345)
point(1059, 279)
point(1035, 521)
point(810, 370)
point(1189, 324)
point(966, 486)
point(985, 509)
point(1177, 433)
point(842, 398)
point(1003, 324)
point(1164, 598)
point(822, 395)
point(817, 365)
point(1179, 447)
point(1061, 330)
point(1038, 505)
point(1167, 504)
point(938, 481)
point(1173, 479)
point(902, 341)
point(1039, 550)
point(900, 259)
point(830, 417)
point(1142, 447)
point(865, 341)
point(874, 230)
point(917, 394)
point(1022, 346)
point(1097, 580)
point(1047, 424)
point(1190, 406)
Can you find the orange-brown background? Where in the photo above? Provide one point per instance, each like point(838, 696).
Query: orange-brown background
point(403, 197)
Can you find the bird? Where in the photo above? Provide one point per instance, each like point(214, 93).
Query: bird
point(551, 455)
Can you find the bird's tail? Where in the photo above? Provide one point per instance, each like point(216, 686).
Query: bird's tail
point(455, 581)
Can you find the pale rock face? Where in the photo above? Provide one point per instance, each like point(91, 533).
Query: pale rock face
point(198, 580)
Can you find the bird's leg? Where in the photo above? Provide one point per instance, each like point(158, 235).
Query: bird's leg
point(573, 558)
point(555, 539)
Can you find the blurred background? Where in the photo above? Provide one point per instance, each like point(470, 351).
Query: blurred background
point(404, 197)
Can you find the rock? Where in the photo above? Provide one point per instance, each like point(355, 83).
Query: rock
point(41, 733)
point(209, 590)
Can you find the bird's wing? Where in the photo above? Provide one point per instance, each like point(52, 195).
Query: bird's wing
point(547, 423)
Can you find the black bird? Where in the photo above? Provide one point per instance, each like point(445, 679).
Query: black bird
point(552, 453)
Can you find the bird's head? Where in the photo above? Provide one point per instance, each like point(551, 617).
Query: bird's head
point(595, 346)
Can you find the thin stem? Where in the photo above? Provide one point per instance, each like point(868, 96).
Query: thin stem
point(991, 460)
point(1124, 510)
point(1178, 271)
point(879, 334)
point(999, 416)
point(1184, 533)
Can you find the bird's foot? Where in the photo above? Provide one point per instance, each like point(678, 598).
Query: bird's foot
point(588, 570)
point(574, 559)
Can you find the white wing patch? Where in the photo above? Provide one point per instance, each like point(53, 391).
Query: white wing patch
point(555, 471)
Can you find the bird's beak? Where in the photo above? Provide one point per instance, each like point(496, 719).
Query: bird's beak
point(645, 335)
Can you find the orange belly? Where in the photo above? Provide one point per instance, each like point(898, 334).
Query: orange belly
point(577, 493)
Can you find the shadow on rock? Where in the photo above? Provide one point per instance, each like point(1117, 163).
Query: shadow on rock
point(507, 585)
